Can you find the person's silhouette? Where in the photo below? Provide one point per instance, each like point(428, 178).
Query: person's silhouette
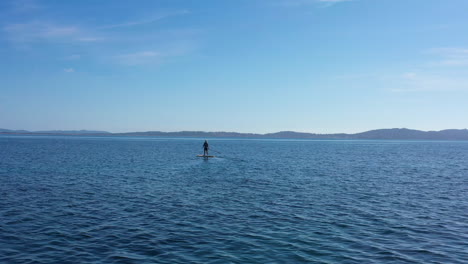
point(205, 148)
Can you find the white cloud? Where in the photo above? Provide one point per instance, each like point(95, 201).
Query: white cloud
point(69, 70)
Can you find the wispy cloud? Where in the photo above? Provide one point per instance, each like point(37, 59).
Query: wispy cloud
point(297, 3)
point(115, 42)
point(450, 56)
point(24, 6)
point(156, 55)
point(145, 21)
point(46, 31)
point(332, 1)
point(446, 72)
point(138, 58)
point(89, 39)
point(417, 81)
point(426, 82)
point(73, 57)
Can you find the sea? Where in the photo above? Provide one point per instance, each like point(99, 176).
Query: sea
point(85, 199)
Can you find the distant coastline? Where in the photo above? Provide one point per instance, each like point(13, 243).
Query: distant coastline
point(393, 133)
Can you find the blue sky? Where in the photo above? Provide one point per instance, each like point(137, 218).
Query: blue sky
point(238, 65)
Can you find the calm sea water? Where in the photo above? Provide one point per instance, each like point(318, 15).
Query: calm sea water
point(151, 200)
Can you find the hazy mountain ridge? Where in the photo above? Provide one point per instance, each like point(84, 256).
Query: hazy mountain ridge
point(392, 133)
point(404, 133)
point(72, 132)
point(77, 132)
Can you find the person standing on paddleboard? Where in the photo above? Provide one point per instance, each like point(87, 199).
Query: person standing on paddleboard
point(205, 148)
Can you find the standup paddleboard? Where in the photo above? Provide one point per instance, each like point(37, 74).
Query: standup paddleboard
point(205, 156)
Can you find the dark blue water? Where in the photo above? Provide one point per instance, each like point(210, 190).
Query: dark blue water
point(149, 200)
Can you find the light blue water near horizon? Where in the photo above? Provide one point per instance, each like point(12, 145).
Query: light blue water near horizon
point(68, 199)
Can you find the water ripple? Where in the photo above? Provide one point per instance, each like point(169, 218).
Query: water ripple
point(119, 200)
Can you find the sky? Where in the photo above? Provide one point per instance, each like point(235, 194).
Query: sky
point(322, 66)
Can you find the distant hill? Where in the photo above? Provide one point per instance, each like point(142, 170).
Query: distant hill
point(404, 133)
point(72, 132)
point(2, 130)
point(393, 133)
point(76, 132)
